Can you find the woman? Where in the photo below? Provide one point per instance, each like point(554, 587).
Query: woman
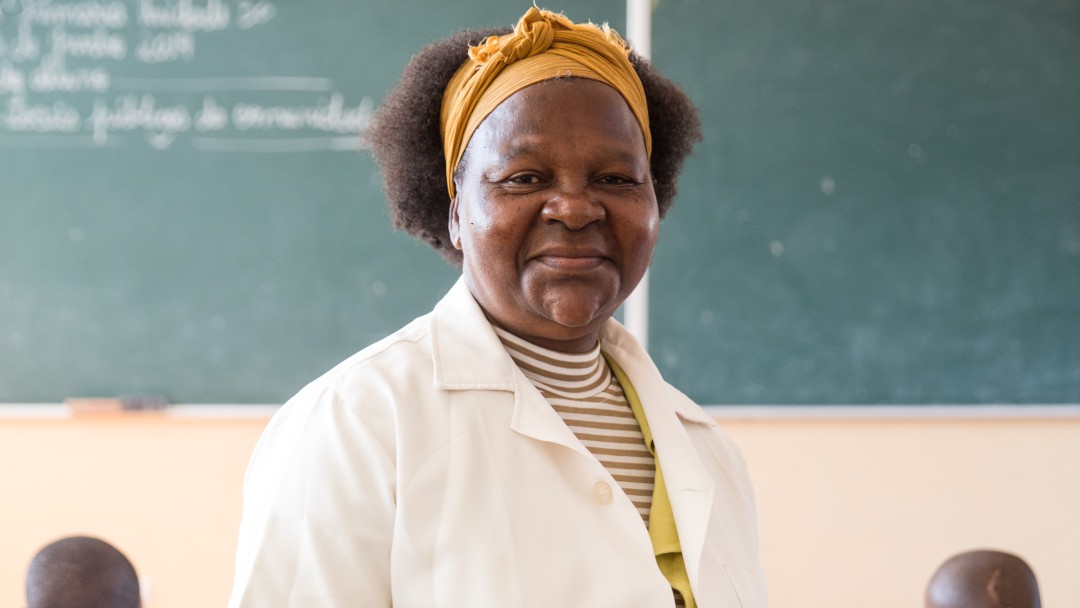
point(516, 446)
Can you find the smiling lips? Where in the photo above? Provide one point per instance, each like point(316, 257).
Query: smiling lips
point(578, 259)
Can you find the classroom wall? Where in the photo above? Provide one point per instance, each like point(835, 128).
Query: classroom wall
point(857, 513)
point(853, 513)
point(165, 491)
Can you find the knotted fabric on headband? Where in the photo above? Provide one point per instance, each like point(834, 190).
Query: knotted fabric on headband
point(543, 45)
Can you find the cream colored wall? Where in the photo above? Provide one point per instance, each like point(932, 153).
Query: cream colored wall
point(165, 491)
point(853, 513)
point(860, 513)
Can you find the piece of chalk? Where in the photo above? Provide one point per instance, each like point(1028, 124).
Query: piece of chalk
point(94, 406)
point(98, 406)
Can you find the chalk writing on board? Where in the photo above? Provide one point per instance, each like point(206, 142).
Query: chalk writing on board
point(73, 74)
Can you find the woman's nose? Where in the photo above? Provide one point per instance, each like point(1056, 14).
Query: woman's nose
point(575, 208)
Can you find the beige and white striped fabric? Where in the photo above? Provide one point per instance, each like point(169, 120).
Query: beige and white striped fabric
point(587, 396)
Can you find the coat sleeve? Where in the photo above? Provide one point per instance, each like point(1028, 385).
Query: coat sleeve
point(318, 516)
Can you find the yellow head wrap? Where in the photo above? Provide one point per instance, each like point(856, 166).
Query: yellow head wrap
point(543, 45)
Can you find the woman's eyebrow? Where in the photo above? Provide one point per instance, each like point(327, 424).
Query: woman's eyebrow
point(520, 145)
point(528, 145)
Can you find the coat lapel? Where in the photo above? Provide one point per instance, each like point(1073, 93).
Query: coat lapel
point(690, 488)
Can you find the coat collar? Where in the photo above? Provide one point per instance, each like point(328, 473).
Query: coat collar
point(469, 356)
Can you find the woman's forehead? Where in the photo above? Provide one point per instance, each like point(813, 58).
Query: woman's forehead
point(564, 108)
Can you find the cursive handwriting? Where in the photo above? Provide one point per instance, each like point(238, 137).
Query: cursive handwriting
point(71, 68)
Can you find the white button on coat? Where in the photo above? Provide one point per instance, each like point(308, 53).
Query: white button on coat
point(601, 492)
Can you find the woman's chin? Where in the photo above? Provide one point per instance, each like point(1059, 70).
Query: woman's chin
point(576, 317)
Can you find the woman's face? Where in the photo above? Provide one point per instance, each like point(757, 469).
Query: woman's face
point(555, 211)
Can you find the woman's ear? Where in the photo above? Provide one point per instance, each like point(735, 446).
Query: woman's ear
point(454, 224)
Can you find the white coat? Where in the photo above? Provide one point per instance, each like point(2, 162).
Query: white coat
point(427, 471)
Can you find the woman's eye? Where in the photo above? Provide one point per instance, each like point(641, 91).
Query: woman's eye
point(524, 180)
point(615, 180)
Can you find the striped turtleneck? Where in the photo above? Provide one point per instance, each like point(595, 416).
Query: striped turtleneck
point(588, 397)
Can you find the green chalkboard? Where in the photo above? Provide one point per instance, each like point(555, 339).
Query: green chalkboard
point(886, 207)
